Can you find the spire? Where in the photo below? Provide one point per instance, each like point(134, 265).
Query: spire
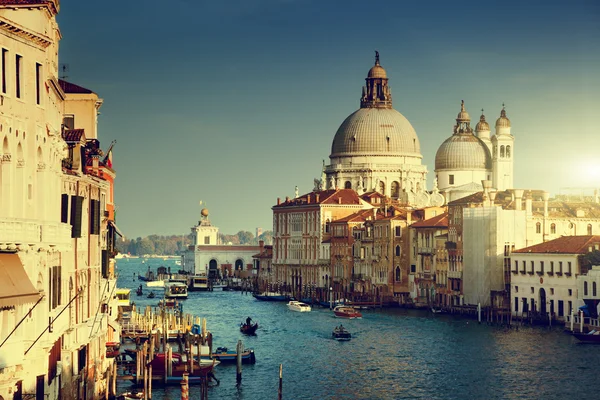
point(482, 125)
point(376, 93)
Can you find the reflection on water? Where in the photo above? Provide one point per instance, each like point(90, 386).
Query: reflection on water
point(394, 354)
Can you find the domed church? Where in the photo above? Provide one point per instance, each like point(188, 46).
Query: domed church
point(376, 148)
point(468, 157)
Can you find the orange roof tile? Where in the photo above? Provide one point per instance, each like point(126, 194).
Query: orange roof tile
point(439, 221)
point(563, 245)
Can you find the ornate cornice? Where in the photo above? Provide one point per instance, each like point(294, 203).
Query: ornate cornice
point(20, 31)
point(52, 5)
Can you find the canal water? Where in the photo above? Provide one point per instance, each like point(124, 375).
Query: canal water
point(393, 354)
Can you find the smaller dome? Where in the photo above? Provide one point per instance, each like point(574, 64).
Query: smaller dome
point(204, 212)
point(377, 71)
point(503, 121)
point(482, 125)
point(463, 115)
point(463, 152)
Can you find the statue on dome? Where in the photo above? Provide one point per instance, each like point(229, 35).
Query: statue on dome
point(359, 187)
point(376, 57)
point(331, 183)
point(296, 192)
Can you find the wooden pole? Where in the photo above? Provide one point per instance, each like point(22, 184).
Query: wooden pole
point(145, 383)
point(170, 362)
point(581, 321)
point(114, 381)
point(280, 393)
point(150, 382)
point(572, 327)
point(238, 375)
point(184, 387)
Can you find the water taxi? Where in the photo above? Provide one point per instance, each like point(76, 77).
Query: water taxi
point(347, 312)
point(176, 290)
point(198, 282)
point(299, 306)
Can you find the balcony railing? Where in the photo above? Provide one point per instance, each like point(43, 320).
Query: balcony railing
point(426, 250)
point(15, 231)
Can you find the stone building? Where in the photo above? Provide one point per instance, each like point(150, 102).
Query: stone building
point(57, 230)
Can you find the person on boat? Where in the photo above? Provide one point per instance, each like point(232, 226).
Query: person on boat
point(249, 321)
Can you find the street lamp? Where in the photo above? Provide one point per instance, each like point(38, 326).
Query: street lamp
point(330, 297)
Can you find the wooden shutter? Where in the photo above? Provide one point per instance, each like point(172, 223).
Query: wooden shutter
point(76, 209)
point(105, 263)
point(64, 210)
point(94, 217)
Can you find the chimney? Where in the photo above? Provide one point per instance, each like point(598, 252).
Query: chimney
point(528, 204)
point(287, 198)
point(317, 197)
point(545, 196)
point(493, 198)
point(518, 199)
point(278, 201)
point(340, 200)
point(308, 199)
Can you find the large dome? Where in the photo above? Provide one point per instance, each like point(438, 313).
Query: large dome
point(463, 152)
point(376, 131)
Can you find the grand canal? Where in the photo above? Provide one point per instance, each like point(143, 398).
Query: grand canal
point(394, 353)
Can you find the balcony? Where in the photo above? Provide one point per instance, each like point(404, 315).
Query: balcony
point(17, 232)
point(455, 274)
point(426, 250)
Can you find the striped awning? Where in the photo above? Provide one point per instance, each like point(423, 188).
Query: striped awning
point(16, 288)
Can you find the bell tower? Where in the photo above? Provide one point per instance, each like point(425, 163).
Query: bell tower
point(376, 93)
point(503, 154)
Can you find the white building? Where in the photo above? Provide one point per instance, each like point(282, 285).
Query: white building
point(376, 148)
point(56, 216)
point(546, 277)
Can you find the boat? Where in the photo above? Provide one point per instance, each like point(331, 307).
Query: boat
point(346, 312)
point(149, 277)
point(198, 282)
point(589, 337)
point(131, 395)
point(341, 334)
point(176, 290)
point(230, 356)
point(270, 296)
point(298, 306)
point(151, 295)
point(437, 310)
point(331, 304)
point(248, 329)
point(140, 291)
point(179, 365)
point(156, 283)
point(112, 349)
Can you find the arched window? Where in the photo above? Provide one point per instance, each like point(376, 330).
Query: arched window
point(594, 289)
point(397, 251)
point(589, 229)
point(538, 227)
point(398, 274)
point(553, 228)
point(327, 223)
point(348, 185)
point(501, 151)
point(381, 188)
point(507, 151)
point(585, 289)
point(395, 189)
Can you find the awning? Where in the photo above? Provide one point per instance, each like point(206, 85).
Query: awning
point(112, 223)
point(16, 288)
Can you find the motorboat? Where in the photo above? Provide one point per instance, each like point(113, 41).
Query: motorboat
point(112, 349)
point(347, 312)
point(230, 356)
point(151, 295)
point(589, 337)
point(198, 282)
point(176, 290)
point(179, 365)
point(299, 306)
point(131, 395)
point(341, 334)
point(248, 329)
point(270, 296)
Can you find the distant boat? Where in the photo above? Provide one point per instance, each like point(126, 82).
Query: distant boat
point(270, 296)
point(248, 329)
point(176, 290)
point(341, 334)
point(298, 306)
point(346, 312)
point(230, 356)
point(198, 282)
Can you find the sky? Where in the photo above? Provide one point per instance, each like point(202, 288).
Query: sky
point(236, 102)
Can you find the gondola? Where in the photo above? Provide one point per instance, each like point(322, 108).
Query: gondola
point(248, 329)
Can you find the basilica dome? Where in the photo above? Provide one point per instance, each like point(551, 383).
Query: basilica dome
point(373, 131)
point(462, 152)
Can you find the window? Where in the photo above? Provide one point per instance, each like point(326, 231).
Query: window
point(552, 291)
point(589, 229)
point(538, 228)
point(451, 179)
point(532, 269)
point(553, 228)
point(398, 251)
point(413, 268)
point(594, 289)
point(206, 239)
point(398, 231)
point(532, 290)
point(3, 60)
point(569, 268)
point(69, 121)
point(570, 292)
point(551, 272)
point(18, 74)
point(398, 274)
point(327, 223)
point(516, 289)
point(501, 151)
point(560, 268)
point(507, 151)
point(516, 304)
point(541, 272)
point(585, 288)
point(516, 265)
point(348, 185)
point(38, 83)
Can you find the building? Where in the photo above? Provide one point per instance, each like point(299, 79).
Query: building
point(469, 157)
point(377, 149)
point(208, 257)
point(57, 230)
point(549, 278)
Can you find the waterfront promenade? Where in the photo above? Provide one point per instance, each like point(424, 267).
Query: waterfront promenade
point(394, 354)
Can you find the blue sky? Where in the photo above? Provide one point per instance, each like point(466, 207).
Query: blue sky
point(235, 102)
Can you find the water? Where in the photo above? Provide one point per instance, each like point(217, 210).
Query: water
point(394, 353)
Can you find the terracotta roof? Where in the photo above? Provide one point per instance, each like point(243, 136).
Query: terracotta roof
point(359, 216)
point(563, 245)
point(68, 87)
point(439, 221)
point(73, 135)
point(332, 196)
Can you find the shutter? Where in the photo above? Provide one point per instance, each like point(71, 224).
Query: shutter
point(97, 217)
point(105, 263)
point(64, 211)
point(94, 217)
point(76, 209)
